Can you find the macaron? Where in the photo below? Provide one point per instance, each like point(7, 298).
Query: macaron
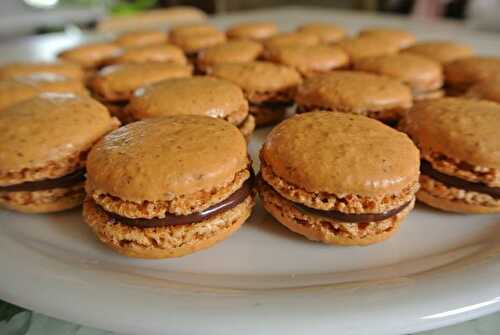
point(198, 95)
point(69, 70)
point(400, 38)
point(269, 88)
point(326, 32)
point(16, 89)
point(90, 55)
point(114, 85)
point(291, 38)
point(257, 30)
point(487, 90)
point(379, 97)
point(441, 51)
point(309, 60)
point(338, 178)
point(366, 46)
point(194, 38)
point(44, 143)
point(462, 73)
point(423, 75)
point(460, 153)
point(167, 53)
point(168, 187)
point(139, 38)
point(233, 51)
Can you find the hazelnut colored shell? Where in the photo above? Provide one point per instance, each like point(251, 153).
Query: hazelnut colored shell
point(402, 39)
point(152, 53)
point(50, 127)
point(340, 90)
point(253, 30)
point(467, 71)
point(197, 95)
point(234, 51)
point(191, 29)
point(90, 55)
point(20, 88)
point(293, 38)
point(69, 70)
point(341, 154)
point(118, 82)
point(366, 46)
point(141, 38)
point(258, 76)
point(462, 129)
point(487, 90)
point(159, 158)
point(420, 73)
point(326, 32)
point(441, 51)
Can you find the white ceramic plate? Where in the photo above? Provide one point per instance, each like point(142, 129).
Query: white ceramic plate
point(439, 269)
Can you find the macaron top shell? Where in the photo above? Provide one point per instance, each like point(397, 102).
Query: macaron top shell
point(197, 96)
point(340, 91)
point(118, 82)
point(308, 59)
point(69, 70)
point(91, 54)
point(258, 76)
point(420, 73)
point(441, 51)
point(196, 42)
point(327, 32)
point(167, 157)
point(459, 128)
point(191, 29)
point(471, 70)
point(152, 53)
point(366, 46)
point(139, 38)
point(257, 30)
point(293, 38)
point(48, 129)
point(234, 51)
point(401, 38)
point(341, 154)
point(488, 90)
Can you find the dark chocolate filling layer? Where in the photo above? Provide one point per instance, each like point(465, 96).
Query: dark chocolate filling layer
point(352, 218)
point(273, 104)
point(171, 219)
point(427, 169)
point(46, 184)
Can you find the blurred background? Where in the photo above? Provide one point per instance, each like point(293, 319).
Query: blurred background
point(19, 18)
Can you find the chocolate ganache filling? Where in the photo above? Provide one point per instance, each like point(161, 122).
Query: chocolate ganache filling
point(230, 202)
point(273, 104)
point(71, 179)
point(427, 169)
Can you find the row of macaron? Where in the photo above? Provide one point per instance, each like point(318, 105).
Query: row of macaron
point(169, 186)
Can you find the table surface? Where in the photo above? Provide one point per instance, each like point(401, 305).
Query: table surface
point(16, 320)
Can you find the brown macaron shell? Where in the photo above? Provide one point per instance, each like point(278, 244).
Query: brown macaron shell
point(291, 38)
point(486, 90)
point(459, 143)
point(258, 30)
point(366, 46)
point(177, 165)
point(400, 38)
point(91, 55)
point(47, 138)
point(206, 96)
point(421, 74)
point(326, 32)
point(167, 53)
point(268, 87)
point(309, 60)
point(194, 38)
point(441, 51)
point(139, 38)
point(387, 178)
point(465, 72)
point(17, 89)
point(382, 98)
point(233, 51)
point(69, 70)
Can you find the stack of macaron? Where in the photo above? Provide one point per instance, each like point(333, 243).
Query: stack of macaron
point(158, 155)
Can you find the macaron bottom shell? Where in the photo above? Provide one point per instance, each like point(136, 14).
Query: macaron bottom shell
point(326, 230)
point(167, 241)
